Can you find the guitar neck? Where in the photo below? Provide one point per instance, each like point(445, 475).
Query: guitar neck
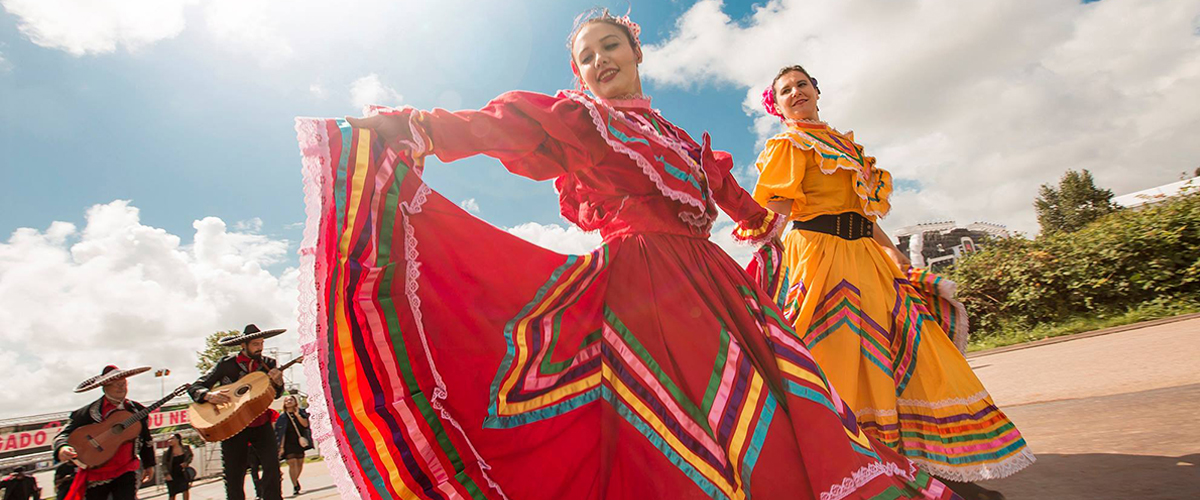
point(150, 409)
point(290, 363)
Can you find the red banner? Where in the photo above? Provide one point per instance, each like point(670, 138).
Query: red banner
point(17, 441)
point(26, 439)
point(171, 418)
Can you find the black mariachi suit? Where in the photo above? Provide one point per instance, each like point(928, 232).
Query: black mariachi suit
point(261, 438)
point(125, 486)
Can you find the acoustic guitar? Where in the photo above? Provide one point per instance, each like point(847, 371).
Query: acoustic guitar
point(96, 443)
point(249, 397)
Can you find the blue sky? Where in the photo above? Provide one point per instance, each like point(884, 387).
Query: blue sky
point(186, 128)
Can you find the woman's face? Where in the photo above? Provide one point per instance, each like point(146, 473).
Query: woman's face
point(289, 402)
point(796, 97)
point(607, 63)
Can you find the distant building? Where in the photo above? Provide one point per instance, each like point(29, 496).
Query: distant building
point(1154, 195)
point(938, 244)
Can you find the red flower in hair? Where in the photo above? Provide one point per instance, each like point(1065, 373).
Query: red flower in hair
point(768, 102)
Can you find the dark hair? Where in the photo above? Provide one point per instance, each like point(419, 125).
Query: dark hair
point(596, 15)
point(178, 436)
point(795, 67)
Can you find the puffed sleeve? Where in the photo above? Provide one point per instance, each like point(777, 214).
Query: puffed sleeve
point(780, 171)
point(533, 135)
point(755, 225)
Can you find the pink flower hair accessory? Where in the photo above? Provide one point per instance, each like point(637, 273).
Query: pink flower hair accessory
point(768, 102)
point(634, 29)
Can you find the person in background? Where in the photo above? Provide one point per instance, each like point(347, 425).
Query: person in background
point(294, 437)
point(175, 461)
point(257, 440)
point(133, 461)
point(63, 475)
point(20, 486)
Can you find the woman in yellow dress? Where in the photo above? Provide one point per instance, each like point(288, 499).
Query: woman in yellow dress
point(857, 312)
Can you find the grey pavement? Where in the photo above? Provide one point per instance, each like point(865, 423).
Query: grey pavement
point(315, 480)
point(1114, 416)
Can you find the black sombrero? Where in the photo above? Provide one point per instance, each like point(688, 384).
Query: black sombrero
point(251, 332)
point(110, 373)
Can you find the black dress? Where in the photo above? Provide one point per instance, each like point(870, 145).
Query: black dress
point(291, 443)
point(179, 481)
point(290, 435)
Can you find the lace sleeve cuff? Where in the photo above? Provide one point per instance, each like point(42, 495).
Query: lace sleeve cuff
point(759, 230)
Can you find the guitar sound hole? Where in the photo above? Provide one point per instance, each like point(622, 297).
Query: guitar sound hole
point(242, 390)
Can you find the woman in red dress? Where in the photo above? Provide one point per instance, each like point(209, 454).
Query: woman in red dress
point(449, 359)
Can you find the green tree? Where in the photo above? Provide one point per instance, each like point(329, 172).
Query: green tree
point(213, 351)
point(1074, 203)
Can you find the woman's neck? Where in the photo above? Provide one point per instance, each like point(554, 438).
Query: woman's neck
point(813, 118)
point(805, 121)
point(635, 92)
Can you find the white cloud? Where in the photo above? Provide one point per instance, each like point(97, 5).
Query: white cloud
point(83, 27)
point(722, 235)
point(318, 91)
point(568, 240)
point(251, 225)
point(371, 90)
point(129, 294)
point(5, 66)
point(979, 101)
point(470, 205)
point(257, 24)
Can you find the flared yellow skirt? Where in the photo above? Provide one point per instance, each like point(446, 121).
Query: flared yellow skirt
point(884, 352)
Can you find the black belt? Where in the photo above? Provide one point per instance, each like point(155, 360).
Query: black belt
point(847, 225)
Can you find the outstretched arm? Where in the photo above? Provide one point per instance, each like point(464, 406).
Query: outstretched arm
point(534, 135)
point(755, 225)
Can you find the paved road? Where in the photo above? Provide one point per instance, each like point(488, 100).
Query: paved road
point(1110, 417)
point(315, 479)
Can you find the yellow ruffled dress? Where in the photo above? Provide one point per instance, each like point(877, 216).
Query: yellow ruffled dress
point(864, 322)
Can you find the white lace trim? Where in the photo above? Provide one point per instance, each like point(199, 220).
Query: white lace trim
point(919, 403)
point(776, 229)
point(316, 171)
point(980, 472)
point(411, 286)
point(874, 412)
point(702, 219)
point(855, 167)
point(942, 403)
point(316, 161)
point(864, 475)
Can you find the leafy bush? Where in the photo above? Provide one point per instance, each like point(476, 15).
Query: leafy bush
point(1112, 265)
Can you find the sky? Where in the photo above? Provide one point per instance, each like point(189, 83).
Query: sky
point(152, 194)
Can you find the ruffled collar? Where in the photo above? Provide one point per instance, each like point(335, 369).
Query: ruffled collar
point(838, 151)
point(640, 101)
point(807, 125)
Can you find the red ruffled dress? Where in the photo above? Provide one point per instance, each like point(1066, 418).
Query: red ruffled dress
point(450, 359)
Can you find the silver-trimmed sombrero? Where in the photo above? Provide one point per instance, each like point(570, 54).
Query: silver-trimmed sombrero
point(251, 332)
point(110, 373)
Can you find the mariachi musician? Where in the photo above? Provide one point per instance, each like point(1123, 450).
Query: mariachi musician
point(133, 463)
point(259, 436)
